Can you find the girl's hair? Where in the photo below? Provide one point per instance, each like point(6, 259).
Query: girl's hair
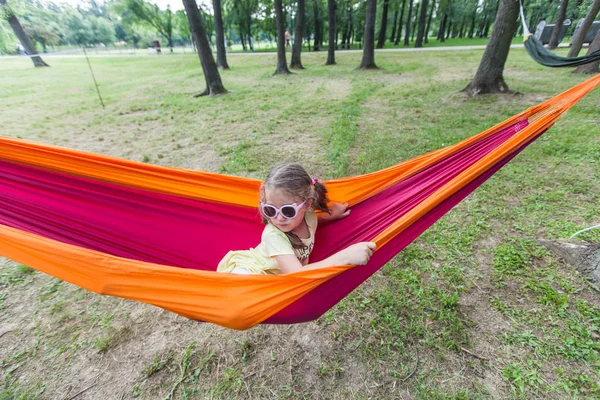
point(295, 181)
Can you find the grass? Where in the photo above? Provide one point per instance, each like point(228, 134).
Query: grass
point(475, 283)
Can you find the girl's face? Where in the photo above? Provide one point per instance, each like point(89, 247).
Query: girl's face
point(279, 198)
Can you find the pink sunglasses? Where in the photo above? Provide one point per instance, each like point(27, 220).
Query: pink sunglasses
point(288, 211)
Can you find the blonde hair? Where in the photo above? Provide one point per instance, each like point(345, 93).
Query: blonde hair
point(296, 182)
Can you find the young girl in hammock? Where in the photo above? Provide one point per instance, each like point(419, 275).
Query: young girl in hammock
point(289, 198)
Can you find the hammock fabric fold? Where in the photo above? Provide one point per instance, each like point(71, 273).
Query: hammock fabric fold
point(155, 234)
point(543, 56)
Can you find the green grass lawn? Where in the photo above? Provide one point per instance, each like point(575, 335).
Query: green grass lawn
point(474, 308)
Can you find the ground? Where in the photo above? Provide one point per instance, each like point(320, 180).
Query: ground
point(474, 308)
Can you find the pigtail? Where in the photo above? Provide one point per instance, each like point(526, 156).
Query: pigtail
point(321, 200)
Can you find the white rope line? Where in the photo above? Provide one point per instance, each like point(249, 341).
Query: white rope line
point(525, 28)
point(583, 230)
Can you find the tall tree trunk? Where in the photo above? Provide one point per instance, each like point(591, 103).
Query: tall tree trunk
point(368, 58)
point(488, 78)
point(243, 43)
point(331, 6)
point(282, 68)
point(442, 31)
point(399, 33)
point(593, 67)
point(394, 26)
point(472, 29)
point(407, 35)
point(211, 72)
point(22, 36)
point(383, 29)
point(296, 62)
point(562, 14)
point(415, 22)
point(422, 22)
point(578, 39)
point(220, 35)
point(317, 27)
point(429, 21)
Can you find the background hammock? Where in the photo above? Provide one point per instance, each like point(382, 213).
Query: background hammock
point(545, 57)
point(542, 55)
point(155, 234)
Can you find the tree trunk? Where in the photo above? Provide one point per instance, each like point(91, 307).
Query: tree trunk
point(220, 35)
point(394, 26)
point(317, 27)
point(422, 22)
point(282, 68)
point(399, 33)
point(407, 35)
point(383, 29)
point(296, 62)
point(23, 38)
point(593, 67)
point(562, 13)
point(472, 29)
point(429, 21)
point(488, 78)
point(442, 31)
point(415, 22)
point(211, 72)
point(243, 42)
point(578, 39)
point(331, 6)
point(368, 58)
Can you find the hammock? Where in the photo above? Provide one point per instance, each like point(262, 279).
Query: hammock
point(545, 57)
point(155, 234)
point(542, 55)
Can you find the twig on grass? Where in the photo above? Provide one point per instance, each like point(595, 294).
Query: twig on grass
point(82, 391)
point(474, 355)
point(407, 377)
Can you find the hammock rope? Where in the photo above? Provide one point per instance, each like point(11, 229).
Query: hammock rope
point(155, 234)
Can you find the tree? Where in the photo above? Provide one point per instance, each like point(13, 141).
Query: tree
point(488, 78)
point(296, 61)
point(14, 23)
point(219, 35)
point(399, 33)
point(578, 39)
point(368, 58)
point(282, 68)
point(429, 22)
point(152, 15)
point(593, 67)
point(383, 29)
point(209, 67)
point(562, 13)
point(317, 20)
point(407, 35)
point(422, 21)
point(331, 7)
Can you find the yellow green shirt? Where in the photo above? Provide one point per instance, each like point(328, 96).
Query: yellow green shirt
point(260, 260)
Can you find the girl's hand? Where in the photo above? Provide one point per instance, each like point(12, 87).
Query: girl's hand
point(358, 254)
point(337, 211)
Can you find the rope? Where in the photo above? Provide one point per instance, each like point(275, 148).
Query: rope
point(581, 231)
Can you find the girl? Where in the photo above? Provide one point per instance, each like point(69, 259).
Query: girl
point(289, 198)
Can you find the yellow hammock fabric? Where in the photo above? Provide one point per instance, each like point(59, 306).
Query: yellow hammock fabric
point(28, 232)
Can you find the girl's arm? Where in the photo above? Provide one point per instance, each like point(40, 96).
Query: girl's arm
point(337, 211)
point(356, 254)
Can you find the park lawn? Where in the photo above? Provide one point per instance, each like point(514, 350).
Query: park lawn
point(474, 308)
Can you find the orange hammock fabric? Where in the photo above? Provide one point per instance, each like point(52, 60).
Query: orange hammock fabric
point(242, 301)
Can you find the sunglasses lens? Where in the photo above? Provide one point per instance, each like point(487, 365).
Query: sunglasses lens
point(288, 212)
point(269, 211)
